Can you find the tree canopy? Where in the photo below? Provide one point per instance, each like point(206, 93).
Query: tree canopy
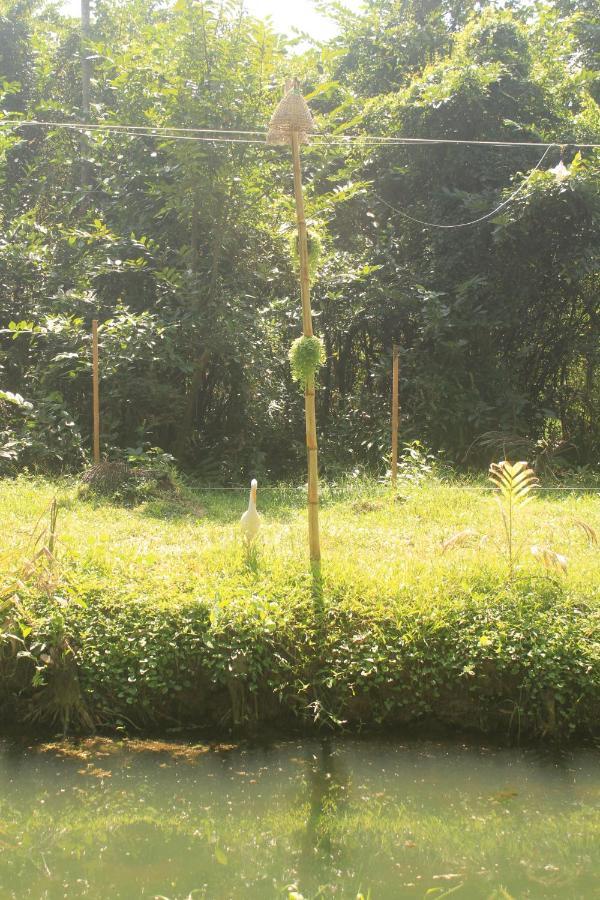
point(180, 247)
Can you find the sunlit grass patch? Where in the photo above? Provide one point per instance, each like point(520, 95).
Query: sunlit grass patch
point(170, 617)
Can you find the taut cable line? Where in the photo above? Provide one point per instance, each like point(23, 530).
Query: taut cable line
point(153, 133)
point(226, 135)
point(151, 130)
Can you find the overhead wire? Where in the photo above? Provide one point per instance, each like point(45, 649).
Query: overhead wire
point(420, 141)
point(150, 133)
point(231, 134)
point(151, 130)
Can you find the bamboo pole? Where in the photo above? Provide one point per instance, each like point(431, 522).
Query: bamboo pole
point(95, 392)
point(309, 392)
point(395, 412)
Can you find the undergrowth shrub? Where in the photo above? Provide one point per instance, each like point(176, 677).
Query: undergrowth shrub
point(137, 476)
point(520, 660)
point(39, 435)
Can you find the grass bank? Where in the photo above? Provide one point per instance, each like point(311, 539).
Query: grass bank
point(154, 617)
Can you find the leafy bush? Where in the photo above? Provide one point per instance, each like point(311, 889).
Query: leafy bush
point(416, 463)
point(499, 659)
point(39, 435)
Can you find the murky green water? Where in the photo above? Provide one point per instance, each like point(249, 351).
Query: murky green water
point(338, 819)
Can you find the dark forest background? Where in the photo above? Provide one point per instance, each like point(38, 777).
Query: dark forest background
point(182, 249)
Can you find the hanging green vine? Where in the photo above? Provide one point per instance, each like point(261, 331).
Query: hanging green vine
point(306, 355)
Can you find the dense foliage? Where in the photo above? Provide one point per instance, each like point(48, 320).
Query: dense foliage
point(184, 249)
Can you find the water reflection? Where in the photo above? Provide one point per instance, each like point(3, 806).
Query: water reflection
point(319, 818)
point(321, 857)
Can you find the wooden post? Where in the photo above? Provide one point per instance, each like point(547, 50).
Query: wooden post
point(395, 412)
point(95, 392)
point(309, 392)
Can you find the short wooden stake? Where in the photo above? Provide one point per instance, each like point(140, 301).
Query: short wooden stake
point(395, 412)
point(95, 392)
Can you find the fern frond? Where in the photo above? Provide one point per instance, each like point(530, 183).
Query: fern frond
point(515, 481)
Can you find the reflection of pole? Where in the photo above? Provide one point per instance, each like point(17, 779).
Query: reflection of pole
point(327, 785)
point(309, 392)
point(95, 392)
point(395, 411)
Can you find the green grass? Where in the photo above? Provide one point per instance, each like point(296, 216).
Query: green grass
point(166, 616)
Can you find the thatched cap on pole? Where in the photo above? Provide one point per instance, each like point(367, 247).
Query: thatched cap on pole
point(292, 114)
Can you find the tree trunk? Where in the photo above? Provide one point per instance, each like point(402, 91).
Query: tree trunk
point(186, 425)
point(85, 86)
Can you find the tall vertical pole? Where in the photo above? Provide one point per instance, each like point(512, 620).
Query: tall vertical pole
point(395, 412)
point(309, 391)
point(95, 392)
point(85, 85)
point(85, 63)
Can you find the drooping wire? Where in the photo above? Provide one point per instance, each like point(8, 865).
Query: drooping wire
point(198, 135)
point(488, 215)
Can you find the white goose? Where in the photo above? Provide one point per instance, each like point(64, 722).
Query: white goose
point(250, 521)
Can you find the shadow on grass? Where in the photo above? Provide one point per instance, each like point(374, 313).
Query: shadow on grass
point(278, 502)
point(317, 590)
point(222, 509)
point(169, 509)
point(224, 506)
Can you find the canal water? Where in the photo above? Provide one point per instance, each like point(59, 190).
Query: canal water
point(313, 819)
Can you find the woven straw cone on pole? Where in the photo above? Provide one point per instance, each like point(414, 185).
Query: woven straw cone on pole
point(292, 114)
